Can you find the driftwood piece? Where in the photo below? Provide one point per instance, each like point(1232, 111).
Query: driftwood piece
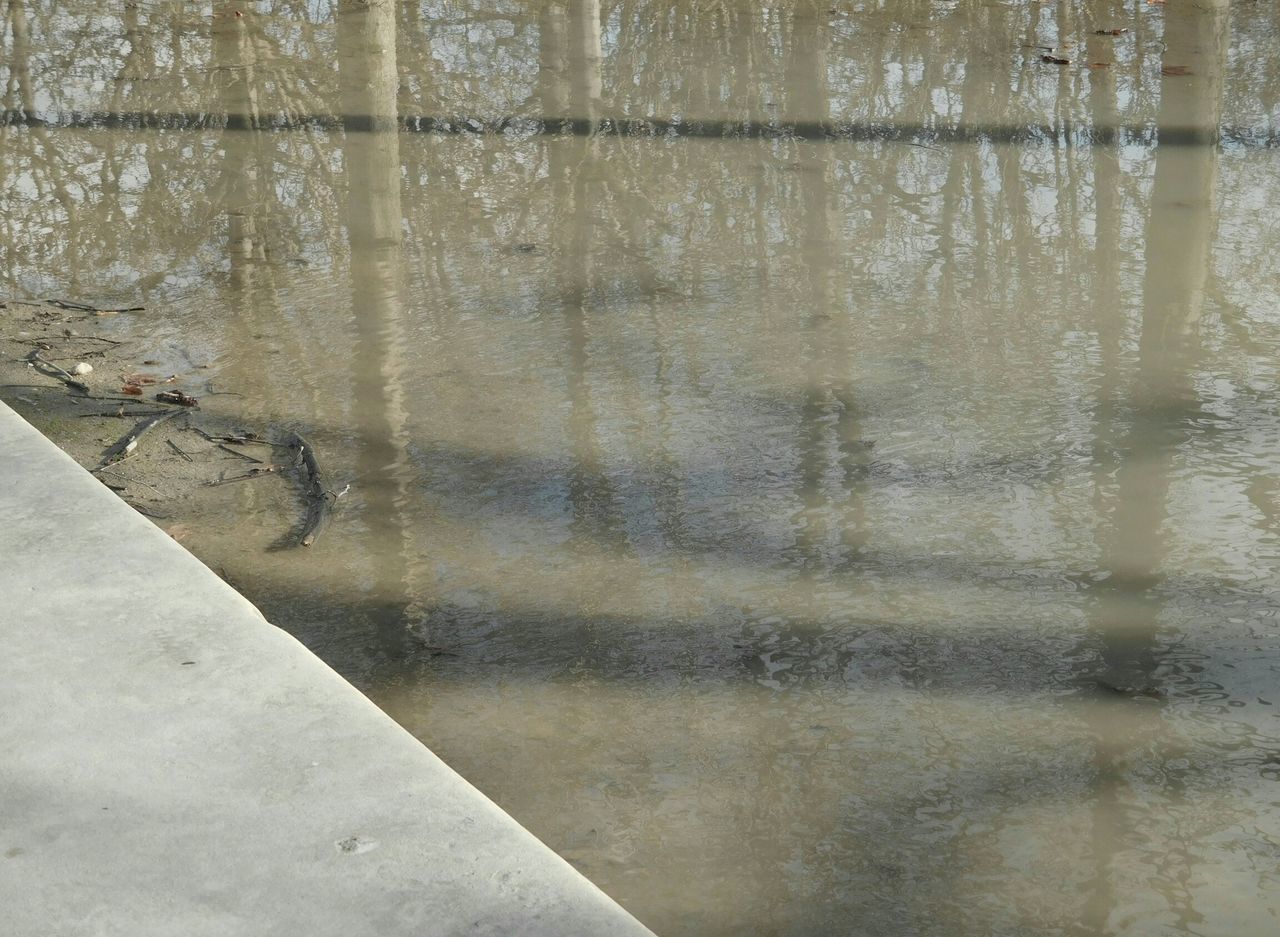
point(126, 444)
point(319, 505)
point(49, 369)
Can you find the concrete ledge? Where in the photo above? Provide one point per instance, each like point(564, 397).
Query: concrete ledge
point(172, 764)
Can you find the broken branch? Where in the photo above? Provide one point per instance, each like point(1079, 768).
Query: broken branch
point(319, 507)
point(128, 443)
point(49, 369)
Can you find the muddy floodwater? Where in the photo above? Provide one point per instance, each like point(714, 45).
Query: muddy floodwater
point(814, 465)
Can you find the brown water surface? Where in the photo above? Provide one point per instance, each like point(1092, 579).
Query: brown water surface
point(815, 465)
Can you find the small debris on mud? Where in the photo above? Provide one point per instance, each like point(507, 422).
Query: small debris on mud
point(158, 466)
point(177, 397)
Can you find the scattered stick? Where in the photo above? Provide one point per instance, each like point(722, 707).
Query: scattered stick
point(128, 443)
point(93, 353)
point(121, 413)
point(95, 338)
point(255, 472)
point(81, 307)
point(176, 448)
point(240, 439)
point(237, 452)
point(319, 507)
point(49, 369)
point(68, 304)
point(133, 481)
point(122, 398)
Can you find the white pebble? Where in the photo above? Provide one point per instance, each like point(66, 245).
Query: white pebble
point(83, 367)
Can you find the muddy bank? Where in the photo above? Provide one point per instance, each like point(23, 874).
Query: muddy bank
point(154, 426)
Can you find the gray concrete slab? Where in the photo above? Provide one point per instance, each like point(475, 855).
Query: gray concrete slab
point(172, 764)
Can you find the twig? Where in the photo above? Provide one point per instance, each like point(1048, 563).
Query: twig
point(208, 388)
point(238, 440)
point(95, 353)
point(134, 400)
point(174, 446)
point(96, 338)
point(81, 307)
point(67, 304)
point(237, 452)
point(121, 413)
point(128, 443)
point(134, 481)
point(49, 369)
point(257, 472)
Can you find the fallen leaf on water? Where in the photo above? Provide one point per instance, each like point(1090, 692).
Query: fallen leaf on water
point(131, 389)
point(1054, 60)
point(1175, 70)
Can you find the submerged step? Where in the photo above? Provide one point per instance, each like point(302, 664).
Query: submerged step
point(171, 763)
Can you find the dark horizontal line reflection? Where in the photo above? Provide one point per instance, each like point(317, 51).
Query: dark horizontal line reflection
point(1082, 134)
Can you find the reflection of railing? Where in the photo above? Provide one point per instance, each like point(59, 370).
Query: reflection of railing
point(830, 131)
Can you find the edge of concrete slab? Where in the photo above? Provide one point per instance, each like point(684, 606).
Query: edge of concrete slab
point(171, 763)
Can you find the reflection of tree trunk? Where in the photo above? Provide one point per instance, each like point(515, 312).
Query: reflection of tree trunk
point(1106, 835)
point(1138, 463)
point(19, 64)
point(828, 401)
point(570, 69)
point(239, 192)
point(1178, 241)
point(234, 53)
point(20, 83)
point(585, 57)
point(371, 157)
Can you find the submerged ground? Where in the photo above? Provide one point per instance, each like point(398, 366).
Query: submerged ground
point(815, 465)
